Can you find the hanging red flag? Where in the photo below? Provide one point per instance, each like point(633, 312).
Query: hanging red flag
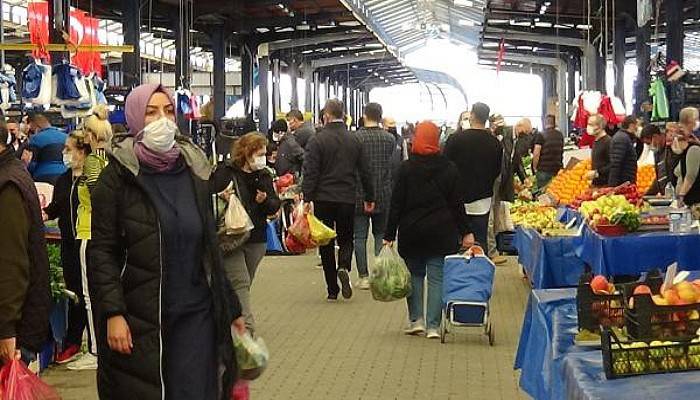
point(501, 53)
point(83, 31)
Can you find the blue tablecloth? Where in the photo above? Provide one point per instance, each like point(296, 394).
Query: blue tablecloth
point(547, 335)
point(549, 262)
point(638, 252)
point(553, 368)
point(584, 379)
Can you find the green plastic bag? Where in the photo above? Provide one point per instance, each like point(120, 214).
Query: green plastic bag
point(390, 278)
point(320, 233)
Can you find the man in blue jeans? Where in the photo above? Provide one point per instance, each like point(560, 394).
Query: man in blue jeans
point(378, 146)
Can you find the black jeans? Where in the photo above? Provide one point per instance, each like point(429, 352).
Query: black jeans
point(341, 217)
point(479, 225)
point(77, 313)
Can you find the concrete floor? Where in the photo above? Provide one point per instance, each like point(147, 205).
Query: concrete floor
point(356, 350)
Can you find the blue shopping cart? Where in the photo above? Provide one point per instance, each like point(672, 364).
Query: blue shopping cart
point(466, 291)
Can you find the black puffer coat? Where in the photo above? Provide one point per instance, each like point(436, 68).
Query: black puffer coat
point(125, 273)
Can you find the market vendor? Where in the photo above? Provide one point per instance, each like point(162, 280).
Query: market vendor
point(623, 156)
point(656, 140)
point(600, 155)
point(688, 187)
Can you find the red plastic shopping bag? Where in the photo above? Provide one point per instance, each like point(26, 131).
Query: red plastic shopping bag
point(240, 391)
point(17, 382)
point(300, 228)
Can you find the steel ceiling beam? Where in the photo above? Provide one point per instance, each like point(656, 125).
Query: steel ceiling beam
point(329, 62)
point(316, 40)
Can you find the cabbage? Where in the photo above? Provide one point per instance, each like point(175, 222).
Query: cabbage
point(390, 279)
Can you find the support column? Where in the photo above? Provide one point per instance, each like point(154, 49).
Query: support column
point(327, 82)
point(643, 51)
point(571, 78)
point(182, 48)
point(308, 88)
point(263, 89)
point(276, 96)
point(293, 74)
point(247, 80)
point(620, 58)
point(674, 33)
point(58, 13)
point(218, 44)
point(589, 67)
point(317, 97)
point(131, 25)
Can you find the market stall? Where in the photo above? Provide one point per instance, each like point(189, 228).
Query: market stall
point(553, 366)
point(548, 261)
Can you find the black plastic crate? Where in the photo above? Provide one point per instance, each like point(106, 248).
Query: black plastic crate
point(623, 359)
point(664, 322)
point(608, 310)
point(504, 243)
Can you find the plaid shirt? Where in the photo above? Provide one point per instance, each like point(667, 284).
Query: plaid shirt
point(378, 146)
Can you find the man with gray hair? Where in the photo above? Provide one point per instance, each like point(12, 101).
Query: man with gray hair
point(600, 154)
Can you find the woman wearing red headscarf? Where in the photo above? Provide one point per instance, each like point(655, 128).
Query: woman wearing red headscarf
point(428, 212)
point(164, 306)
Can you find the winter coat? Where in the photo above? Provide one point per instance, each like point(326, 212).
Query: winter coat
point(623, 159)
point(126, 272)
point(478, 156)
point(506, 189)
point(290, 156)
point(427, 208)
point(25, 299)
point(249, 184)
point(64, 206)
point(332, 158)
point(304, 134)
point(378, 146)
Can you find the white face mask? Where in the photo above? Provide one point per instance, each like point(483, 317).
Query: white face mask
point(159, 135)
point(697, 125)
point(464, 124)
point(277, 136)
point(591, 131)
point(67, 160)
point(258, 163)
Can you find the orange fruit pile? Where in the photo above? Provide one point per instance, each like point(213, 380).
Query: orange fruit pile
point(570, 183)
point(646, 174)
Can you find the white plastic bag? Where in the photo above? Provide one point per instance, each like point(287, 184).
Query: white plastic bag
point(252, 355)
point(236, 219)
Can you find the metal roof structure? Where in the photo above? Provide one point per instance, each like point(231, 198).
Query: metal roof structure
point(408, 24)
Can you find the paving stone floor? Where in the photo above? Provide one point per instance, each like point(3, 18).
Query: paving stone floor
point(355, 349)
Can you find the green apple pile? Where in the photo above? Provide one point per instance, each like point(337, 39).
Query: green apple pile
point(657, 356)
point(611, 210)
point(535, 216)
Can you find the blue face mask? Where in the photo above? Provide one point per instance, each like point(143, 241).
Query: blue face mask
point(67, 160)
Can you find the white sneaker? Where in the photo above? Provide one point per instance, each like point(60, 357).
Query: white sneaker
point(86, 362)
point(415, 328)
point(433, 334)
point(363, 284)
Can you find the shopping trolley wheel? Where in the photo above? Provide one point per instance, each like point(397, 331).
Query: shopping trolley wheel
point(443, 327)
point(491, 334)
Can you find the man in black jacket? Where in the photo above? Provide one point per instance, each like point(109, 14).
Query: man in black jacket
point(623, 156)
point(303, 131)
point(24, 264)
point(333, 157)
point(478, 156)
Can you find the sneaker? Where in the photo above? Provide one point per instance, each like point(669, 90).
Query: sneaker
point(346, 287)
point(71, 353)
point(415, 328)
point(332, 298)
point(85, 363)
point(319, 265)
point(499, 260)
point(433, 334)
point(363, 284)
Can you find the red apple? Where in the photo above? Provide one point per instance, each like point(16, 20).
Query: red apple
point(642, 289)
point(599, 284)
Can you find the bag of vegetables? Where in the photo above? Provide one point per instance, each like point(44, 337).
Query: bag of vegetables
point(390, 278)
point(251, 355)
